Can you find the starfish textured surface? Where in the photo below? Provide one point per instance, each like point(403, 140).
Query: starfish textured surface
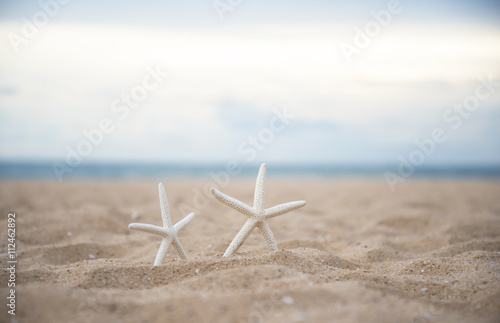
point(257, 215)
point(168, 231)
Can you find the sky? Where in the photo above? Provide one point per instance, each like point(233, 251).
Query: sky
point(318, 81)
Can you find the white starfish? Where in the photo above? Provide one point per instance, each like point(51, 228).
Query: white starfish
point(257, 215)
point(168, 232)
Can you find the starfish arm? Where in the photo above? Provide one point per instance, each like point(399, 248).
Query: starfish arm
point(179, 225)
point(258, 198)
point(165, 210)
point(177, 246)
point(149, 228)
point(268, 236)
point(240, 238)
point(163, 250)
point(283, 208)
point(232, 202)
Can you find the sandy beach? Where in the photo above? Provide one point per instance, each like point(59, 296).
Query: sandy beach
point(429, 252)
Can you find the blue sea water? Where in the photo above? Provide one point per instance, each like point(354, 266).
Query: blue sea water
point(45, 171)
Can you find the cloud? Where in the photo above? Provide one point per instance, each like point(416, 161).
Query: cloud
point(223, 87)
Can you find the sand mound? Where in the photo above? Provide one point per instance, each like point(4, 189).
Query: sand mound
point(430, 252)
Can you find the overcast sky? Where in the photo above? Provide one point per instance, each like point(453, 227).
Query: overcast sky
point(364, 104)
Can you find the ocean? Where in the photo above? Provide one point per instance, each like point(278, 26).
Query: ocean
point(130, 171)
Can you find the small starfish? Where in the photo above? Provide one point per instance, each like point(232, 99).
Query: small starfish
point(168, 232)
point(257, 215)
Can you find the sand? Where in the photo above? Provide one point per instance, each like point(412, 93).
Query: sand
point(429, 252)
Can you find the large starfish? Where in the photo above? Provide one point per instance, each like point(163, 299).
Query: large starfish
point(168, 232)
point(257, 215)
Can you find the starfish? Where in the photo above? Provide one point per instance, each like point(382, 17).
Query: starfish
point(257, 215)
point(168, 231)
